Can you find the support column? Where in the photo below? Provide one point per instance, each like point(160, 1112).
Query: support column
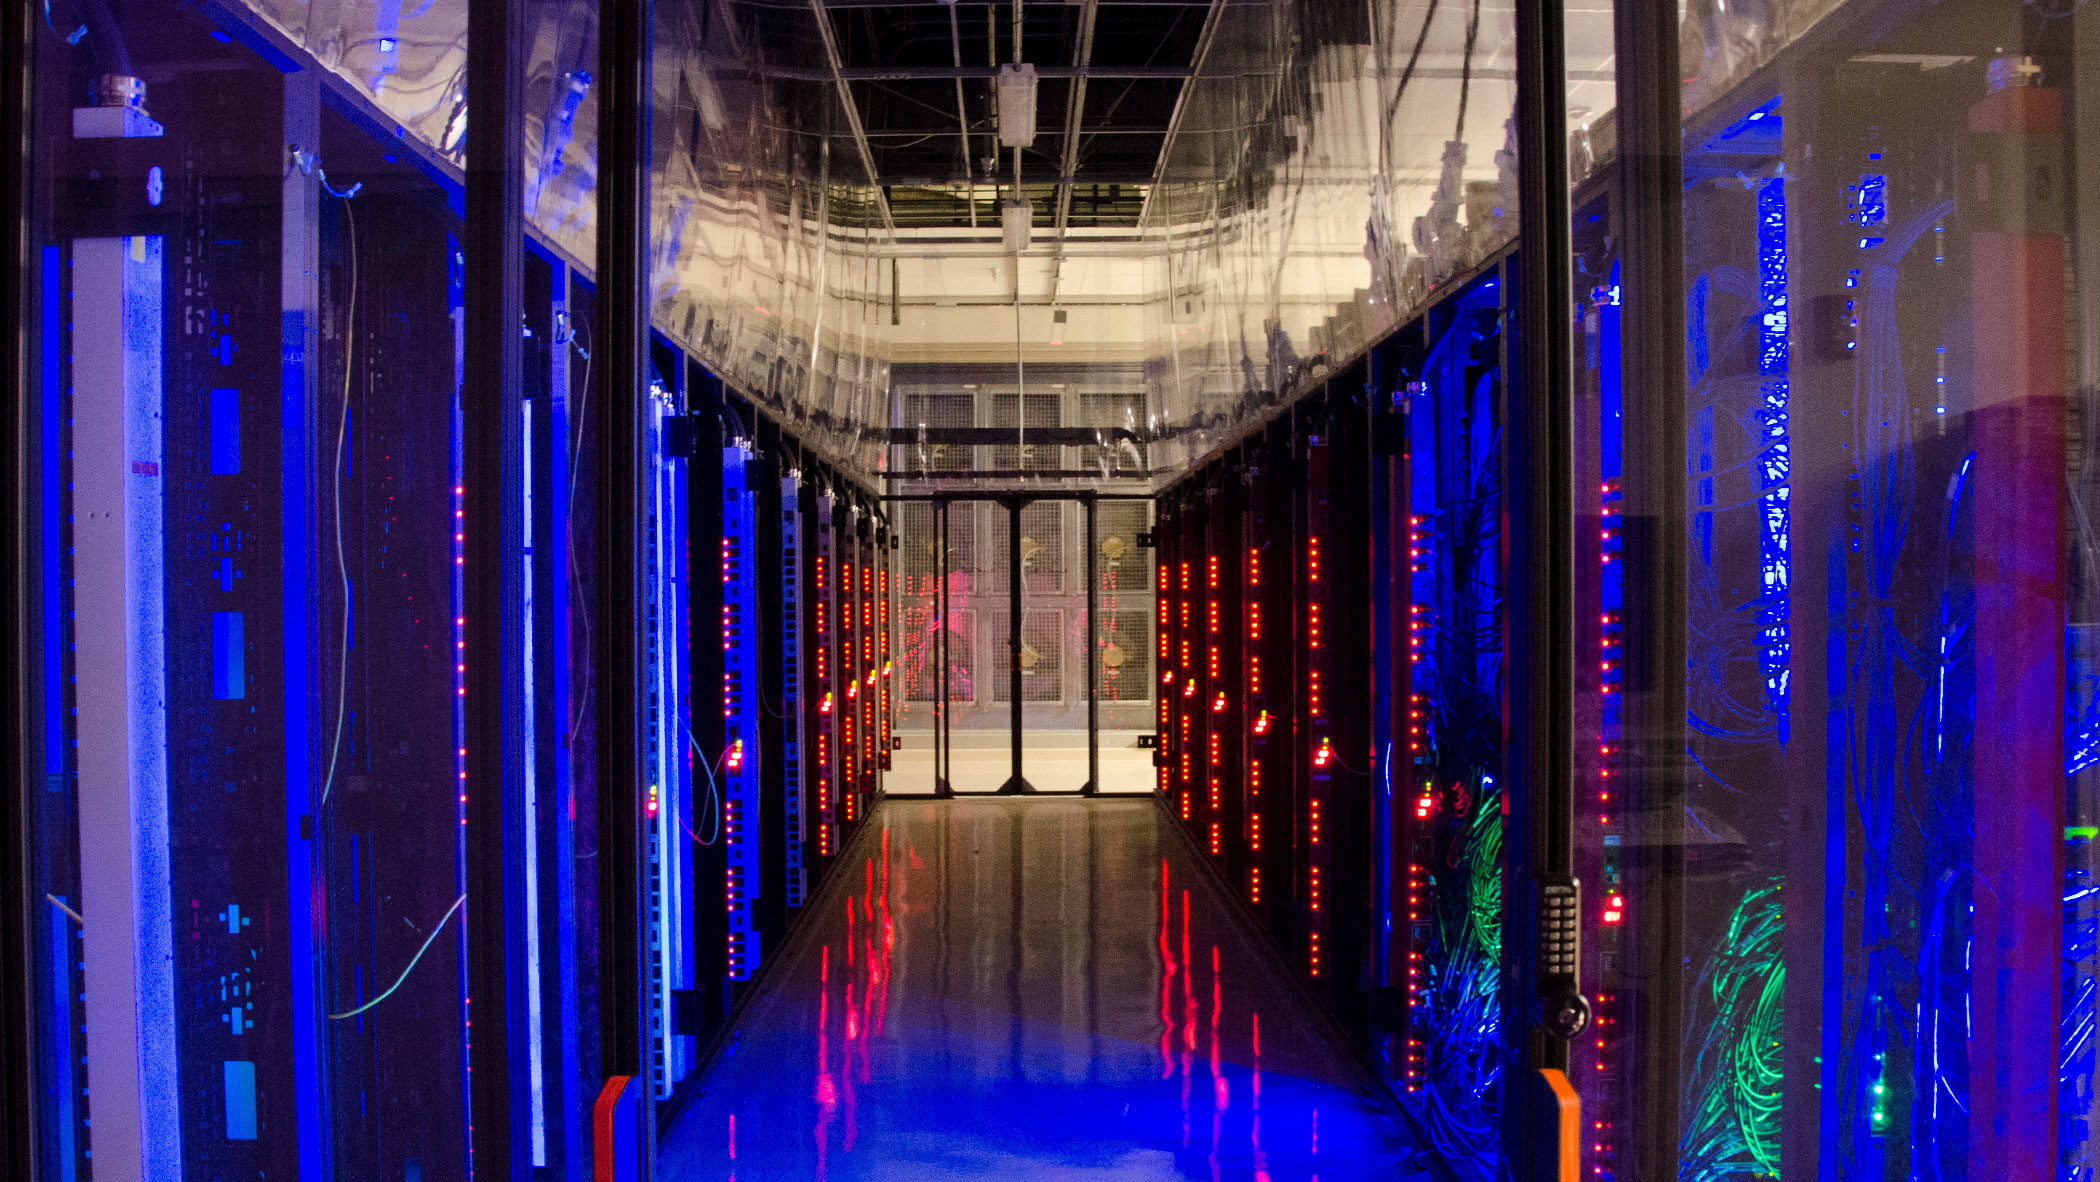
point(492, 600)
point(627, 1134)
point(1648, 210)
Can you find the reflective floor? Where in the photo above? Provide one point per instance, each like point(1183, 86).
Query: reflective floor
point(1032, 989)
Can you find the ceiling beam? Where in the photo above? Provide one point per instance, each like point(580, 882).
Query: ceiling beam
point(1084, 58)
point(1076, 104)
point(927, 133)
point(962, 112)
point(944, 73)
point(1107, 73)
point(945, 3)
point(860, 134)
point(935, 181)
point(1204, 41)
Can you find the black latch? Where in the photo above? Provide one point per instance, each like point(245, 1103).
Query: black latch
point(1563, 1010)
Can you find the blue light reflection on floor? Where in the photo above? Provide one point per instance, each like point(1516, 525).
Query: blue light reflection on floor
point(1116, 1024)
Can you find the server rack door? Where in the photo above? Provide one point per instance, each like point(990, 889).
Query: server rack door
point(826, 687)
point(1221, 822)
point(1271, 688)
point(670, 920)
point(742, 802)
point(1602, 1070)
point(852, 713)
point(885, 559)
point(867, 626)
point(767, 642)
point(389, 575)
point(1347, 644)
point(1165, 637)
point(1876, 900)
point(792, 674)
point(250, 837)
point(1454, 1018)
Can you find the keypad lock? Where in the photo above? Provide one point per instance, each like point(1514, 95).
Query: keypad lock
point(1564, 1011)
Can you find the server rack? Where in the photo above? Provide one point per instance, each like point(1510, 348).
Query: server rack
point(826, 691)
point(784, 537)
point(1453, 393)
point(1350, 550)
point(1603, 1069)
point(289, 438)
point(789, 692)
point(257, 547)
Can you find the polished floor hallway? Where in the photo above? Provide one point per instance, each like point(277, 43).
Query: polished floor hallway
point(1032, 989)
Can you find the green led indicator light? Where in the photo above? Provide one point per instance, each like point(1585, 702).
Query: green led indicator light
point(2081, 832)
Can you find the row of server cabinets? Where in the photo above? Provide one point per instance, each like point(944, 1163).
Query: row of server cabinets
point(249, 841)
point(1330, 636)
point(1836, 835)
point(791, 619)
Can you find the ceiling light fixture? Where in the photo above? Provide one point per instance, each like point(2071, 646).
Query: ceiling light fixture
point(1017, 218)
point(1017, 83)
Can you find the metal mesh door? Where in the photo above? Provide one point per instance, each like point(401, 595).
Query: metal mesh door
point(1122, 645)
point(1085, 628)
point(1043, 411)
point(1054, 626)
point(1123, 632)
point(979, 736)
point(921, 572)
point(1044, 557)
point(931, 413)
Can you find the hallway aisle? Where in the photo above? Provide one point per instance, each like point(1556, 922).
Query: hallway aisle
point(1022, 990)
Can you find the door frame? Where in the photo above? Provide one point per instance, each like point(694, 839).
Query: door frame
point(1013, 501)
